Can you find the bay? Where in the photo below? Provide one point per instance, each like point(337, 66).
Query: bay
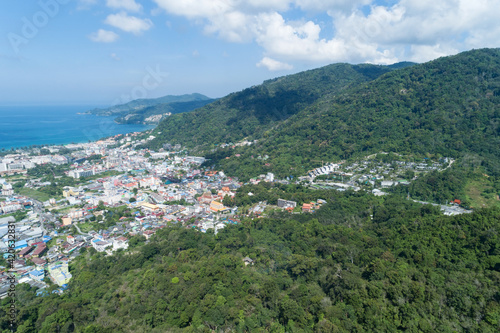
point(22, 126)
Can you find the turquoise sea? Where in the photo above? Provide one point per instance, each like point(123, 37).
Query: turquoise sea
point(22, 126)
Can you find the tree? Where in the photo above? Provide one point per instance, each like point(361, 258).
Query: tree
point(228, 201)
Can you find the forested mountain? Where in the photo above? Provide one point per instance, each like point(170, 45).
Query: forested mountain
point(256, 110)
point(405, 269)
point(137, 111)
point(448, 107)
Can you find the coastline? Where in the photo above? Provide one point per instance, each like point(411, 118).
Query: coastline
point(57, 125)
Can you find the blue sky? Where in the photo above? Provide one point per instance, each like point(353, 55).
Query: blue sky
point(102, 52)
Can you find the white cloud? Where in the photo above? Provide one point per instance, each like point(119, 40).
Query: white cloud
point(115, 57)
point(85, 4)
point(104, 36)
point(273, 65)
point(197, 8)
point(418, 30)
point(128, 23)
point(327, 5)
point(129, 5)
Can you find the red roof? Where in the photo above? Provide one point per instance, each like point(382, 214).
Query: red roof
point(39, 249)
point(25, 251)
point(38, 261)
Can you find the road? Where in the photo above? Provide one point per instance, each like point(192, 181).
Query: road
point(79, 231)
point(38, 208)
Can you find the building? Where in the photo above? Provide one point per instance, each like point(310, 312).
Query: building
point(286, 203)
point(76, 214)
point(150, 207)
point(59, 273)
point(37, 275)
point(7, 208)
point(15, 166)
point(24, 252)
point(269, 177)
point(306, 208)
point(100, 245)
point(80, 173)
point(148, 233)
point(71, 192)
point(120, 243)
point(67, 220)
point(39, 250)
point(217, 206)
point(39, 262)
point(70, 239)
point(248, 261)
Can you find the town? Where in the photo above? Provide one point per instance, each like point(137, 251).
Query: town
point(102, 196)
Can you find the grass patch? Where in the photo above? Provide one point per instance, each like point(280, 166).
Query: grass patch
point(40, 196)
point(86, 227)
point(481, 194)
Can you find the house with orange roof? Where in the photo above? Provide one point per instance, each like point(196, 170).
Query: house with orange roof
point(217, 206)
point(306, 208)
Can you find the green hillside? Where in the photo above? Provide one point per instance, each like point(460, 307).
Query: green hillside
point(140, 116)
point(136, 111)
point(254, 111)
point(448, 107)
point(407, 269)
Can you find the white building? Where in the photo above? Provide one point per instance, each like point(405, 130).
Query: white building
point(120, 243)
point(100, 245)
point(9, 208)
point(80, 173)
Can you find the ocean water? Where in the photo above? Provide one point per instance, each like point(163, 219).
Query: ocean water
point(22, 126)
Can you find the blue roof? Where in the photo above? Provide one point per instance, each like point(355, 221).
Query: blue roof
point(42, 292)
point(37, 273)
point(21, 245)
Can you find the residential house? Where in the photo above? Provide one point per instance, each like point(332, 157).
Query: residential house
point(306, 208)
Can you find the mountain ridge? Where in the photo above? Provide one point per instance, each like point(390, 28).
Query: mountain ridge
point(449, 107)
point(141, 110)
point(255, 110)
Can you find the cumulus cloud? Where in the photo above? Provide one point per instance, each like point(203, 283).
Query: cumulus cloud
point(85, 4)
point(129, 5)
point(358, 31)
point(329, 5)
point(104, 36)
point(274, 65)
point(128, 23)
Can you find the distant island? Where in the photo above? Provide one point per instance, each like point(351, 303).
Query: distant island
point(152, 111)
